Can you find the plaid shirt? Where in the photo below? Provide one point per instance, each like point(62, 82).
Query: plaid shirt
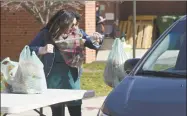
point(72, 49)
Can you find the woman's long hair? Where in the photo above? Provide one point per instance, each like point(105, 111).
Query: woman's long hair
point(59, 23)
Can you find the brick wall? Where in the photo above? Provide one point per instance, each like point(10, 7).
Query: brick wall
point(90, 23)
point(17, 29)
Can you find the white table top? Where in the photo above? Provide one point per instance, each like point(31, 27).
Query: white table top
point(17, 103)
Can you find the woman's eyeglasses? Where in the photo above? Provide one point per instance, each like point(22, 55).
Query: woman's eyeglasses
point(76, 24)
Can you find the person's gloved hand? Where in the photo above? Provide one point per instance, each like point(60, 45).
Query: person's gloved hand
point(97, 37)
point(46, 49)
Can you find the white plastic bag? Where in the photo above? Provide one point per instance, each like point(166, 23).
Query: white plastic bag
point(29, 77)
point(114, 70)
point(7, 66)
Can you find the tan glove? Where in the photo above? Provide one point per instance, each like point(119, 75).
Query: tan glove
point(46, 49)
point(97, 37)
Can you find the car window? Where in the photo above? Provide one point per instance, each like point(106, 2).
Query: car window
point(169, 53)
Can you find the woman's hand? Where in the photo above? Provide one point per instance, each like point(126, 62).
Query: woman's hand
point(46, 49)
point(97, 36)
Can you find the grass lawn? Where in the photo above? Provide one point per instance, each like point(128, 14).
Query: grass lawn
point(92, 78)
point(162, 67)
point(128, 49)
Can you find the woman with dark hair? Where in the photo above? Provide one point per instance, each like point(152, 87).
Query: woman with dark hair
point(57, 72)
point(62, 60)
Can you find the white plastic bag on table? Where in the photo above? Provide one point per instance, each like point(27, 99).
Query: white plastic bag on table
point(114, 70)
point(30, 77)
point(7, 69)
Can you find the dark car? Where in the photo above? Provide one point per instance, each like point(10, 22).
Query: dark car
point(156, 83)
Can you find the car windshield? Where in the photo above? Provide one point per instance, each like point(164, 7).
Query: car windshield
point(169, 57)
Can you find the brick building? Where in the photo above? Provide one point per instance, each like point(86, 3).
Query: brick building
point(19, 27)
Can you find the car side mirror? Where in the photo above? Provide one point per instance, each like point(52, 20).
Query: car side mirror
point(130, 64)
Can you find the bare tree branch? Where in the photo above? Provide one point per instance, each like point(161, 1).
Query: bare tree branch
point(38, 12)
point(31, 11)
point(7, 2)
point(55, 5)
point(48, 11)
point(44, 5)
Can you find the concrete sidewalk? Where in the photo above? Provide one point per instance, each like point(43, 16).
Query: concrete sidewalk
point(90, 107)
point(103, 54)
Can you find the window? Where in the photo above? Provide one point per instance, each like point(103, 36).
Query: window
point(170, 54)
